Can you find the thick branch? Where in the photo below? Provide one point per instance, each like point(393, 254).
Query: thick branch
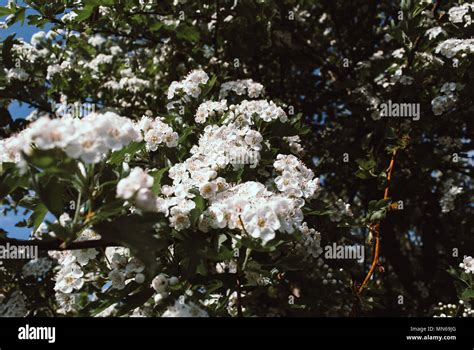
point(57, 244)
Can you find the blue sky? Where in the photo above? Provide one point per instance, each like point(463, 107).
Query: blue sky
point(25, 32)
point(22, 31)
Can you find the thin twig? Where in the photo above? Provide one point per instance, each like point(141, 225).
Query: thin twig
point(375, 229)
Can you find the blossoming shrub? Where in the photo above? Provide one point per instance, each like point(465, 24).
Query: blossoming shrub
point(207, 190)
point(207, 204)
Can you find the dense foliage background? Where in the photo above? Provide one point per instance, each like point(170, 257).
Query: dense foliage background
point(329, 64)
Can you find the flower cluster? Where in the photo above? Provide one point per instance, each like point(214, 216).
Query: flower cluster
point(243, 113)
point(71, 276)
point(460, 14)
point(183, 309)
point(450, 194)
point(190, 86)
point(210, 109)
point(241, 87)
point(467, 264)
point(295, 179)
point(157, 132)
point(137, 186)
point(452, 310)
point(88, 139)
point(310, 244)
point(215, 151)
point(295, 144)
point(124, 268)
point(434, 32)
point(451, 47)
point(253, 209)
point(447, 100)
point(340, 209)
point(16, 74)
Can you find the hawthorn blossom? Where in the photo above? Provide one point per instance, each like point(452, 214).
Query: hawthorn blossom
point(129, 186)
point(467, 264)
point(69, 278)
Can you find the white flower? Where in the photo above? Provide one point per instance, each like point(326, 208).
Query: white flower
point(450, 194)
point(179, 219)
point(240, 87)
point(68, 17)
point(160, 283)
point(117, 279)
point(468, 264)
point(451, 47)
point(399, 53)
point(190, 85)
point(157, 132)
point(83, 256)
point(434, 32)
point(261, 223)
point(253, 139)
point(459, 14)
point(181, 309)
point(16, 74)
point(341, 209)
point(67, 301)
point(69, 278)
point(296, 180)
point(129, 186)
point(97, 40)
point(89, 138)
point(210, 108)
point(208, 190)
point(37, 38)
point(139, 278)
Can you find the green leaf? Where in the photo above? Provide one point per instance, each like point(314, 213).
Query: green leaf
point(118, 157)
point(52, 195)
point(197, 211)
point(362, 174)
point(210, 84)
point(60, 231)
point(5, 11)
point(85, 13)
point(467, 295)
point(157, 175)
point(185, 134)
point(37, 217)
point(188, 33)
point(156, 26)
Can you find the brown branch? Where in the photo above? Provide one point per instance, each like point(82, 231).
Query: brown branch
point(57, 244)
point(375, 229)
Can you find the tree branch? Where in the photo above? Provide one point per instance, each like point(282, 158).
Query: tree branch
point(57, 244)
point(375, 229)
